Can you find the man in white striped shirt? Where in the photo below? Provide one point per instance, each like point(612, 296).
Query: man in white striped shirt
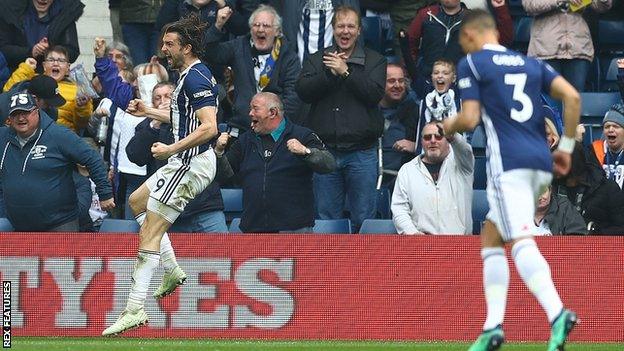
point(190, 169)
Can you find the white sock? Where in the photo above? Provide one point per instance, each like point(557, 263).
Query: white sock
point(495, 283)
point(167, 256)
point(535, 273)
point(144, 268)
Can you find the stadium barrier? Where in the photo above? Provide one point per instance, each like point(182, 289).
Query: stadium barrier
point(377, 287)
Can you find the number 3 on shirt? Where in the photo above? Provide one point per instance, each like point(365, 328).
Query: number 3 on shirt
point(518, 81)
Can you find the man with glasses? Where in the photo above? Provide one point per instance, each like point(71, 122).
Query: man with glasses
point(263, 61)
point(38, 156)
point(400, 113)
point(433, 192)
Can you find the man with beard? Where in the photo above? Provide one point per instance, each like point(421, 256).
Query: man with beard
point(190, 169)
point(433, 192)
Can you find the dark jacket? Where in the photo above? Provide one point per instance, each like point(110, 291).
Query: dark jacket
point(37, 183)
point(277, 191)
point(599, 200)
point(563, 218)
point(173, 10)
point(139, 152)
point(139, 11)
point(401, 124)
point(430, 37)
point(237, 54)
point(62, 30)
point(344, 111)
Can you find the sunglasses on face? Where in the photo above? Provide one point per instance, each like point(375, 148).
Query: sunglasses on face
point(427, 137)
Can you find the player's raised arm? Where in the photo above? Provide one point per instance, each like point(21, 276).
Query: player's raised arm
point(467, 119)
point(207, 130)
point(560, 89)
point(138, 108)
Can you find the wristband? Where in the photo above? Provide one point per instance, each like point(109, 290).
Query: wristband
point(566, 144)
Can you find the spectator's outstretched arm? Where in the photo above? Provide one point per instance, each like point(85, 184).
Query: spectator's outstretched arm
point(319, 159)
point(112, 85)
point(504, 23)
point(216, 51)
point(410, 63)
point(463, 153)
point(401, 206)
point(25, 71)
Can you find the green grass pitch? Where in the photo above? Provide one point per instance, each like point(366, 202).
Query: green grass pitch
point(119, 344)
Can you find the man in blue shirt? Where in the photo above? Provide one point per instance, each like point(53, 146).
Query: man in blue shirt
point(502, 88)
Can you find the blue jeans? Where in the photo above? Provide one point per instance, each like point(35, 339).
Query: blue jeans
point(141, 39)
point(205, 222)
point(573, 70)
point(355, 178)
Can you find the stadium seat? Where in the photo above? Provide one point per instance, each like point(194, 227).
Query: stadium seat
point(331, 226)
point(378, 226)
point(480, 209)
point(232, 203)
point(480, 173)
point(595, 105)
point(235, 226)
point(110, 225)
point(5, 225)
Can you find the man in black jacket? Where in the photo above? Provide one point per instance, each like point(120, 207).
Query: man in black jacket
point(344, 83)
point(274, 162)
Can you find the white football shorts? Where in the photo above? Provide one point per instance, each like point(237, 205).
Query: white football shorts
point(176, 183)
point(512, 196)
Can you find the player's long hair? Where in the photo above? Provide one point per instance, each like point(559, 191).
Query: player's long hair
point(190, 31)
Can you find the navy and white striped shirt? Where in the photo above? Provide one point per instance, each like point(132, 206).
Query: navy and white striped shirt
point(196, 88)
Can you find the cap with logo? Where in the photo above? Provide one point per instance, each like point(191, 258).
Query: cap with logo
point(46, 88)
point(21, 101)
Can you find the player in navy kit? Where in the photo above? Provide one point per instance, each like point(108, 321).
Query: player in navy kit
point(502, 89)
point(190, 169)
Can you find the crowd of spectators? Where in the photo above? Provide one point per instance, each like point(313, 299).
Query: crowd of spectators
point(315, 123)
